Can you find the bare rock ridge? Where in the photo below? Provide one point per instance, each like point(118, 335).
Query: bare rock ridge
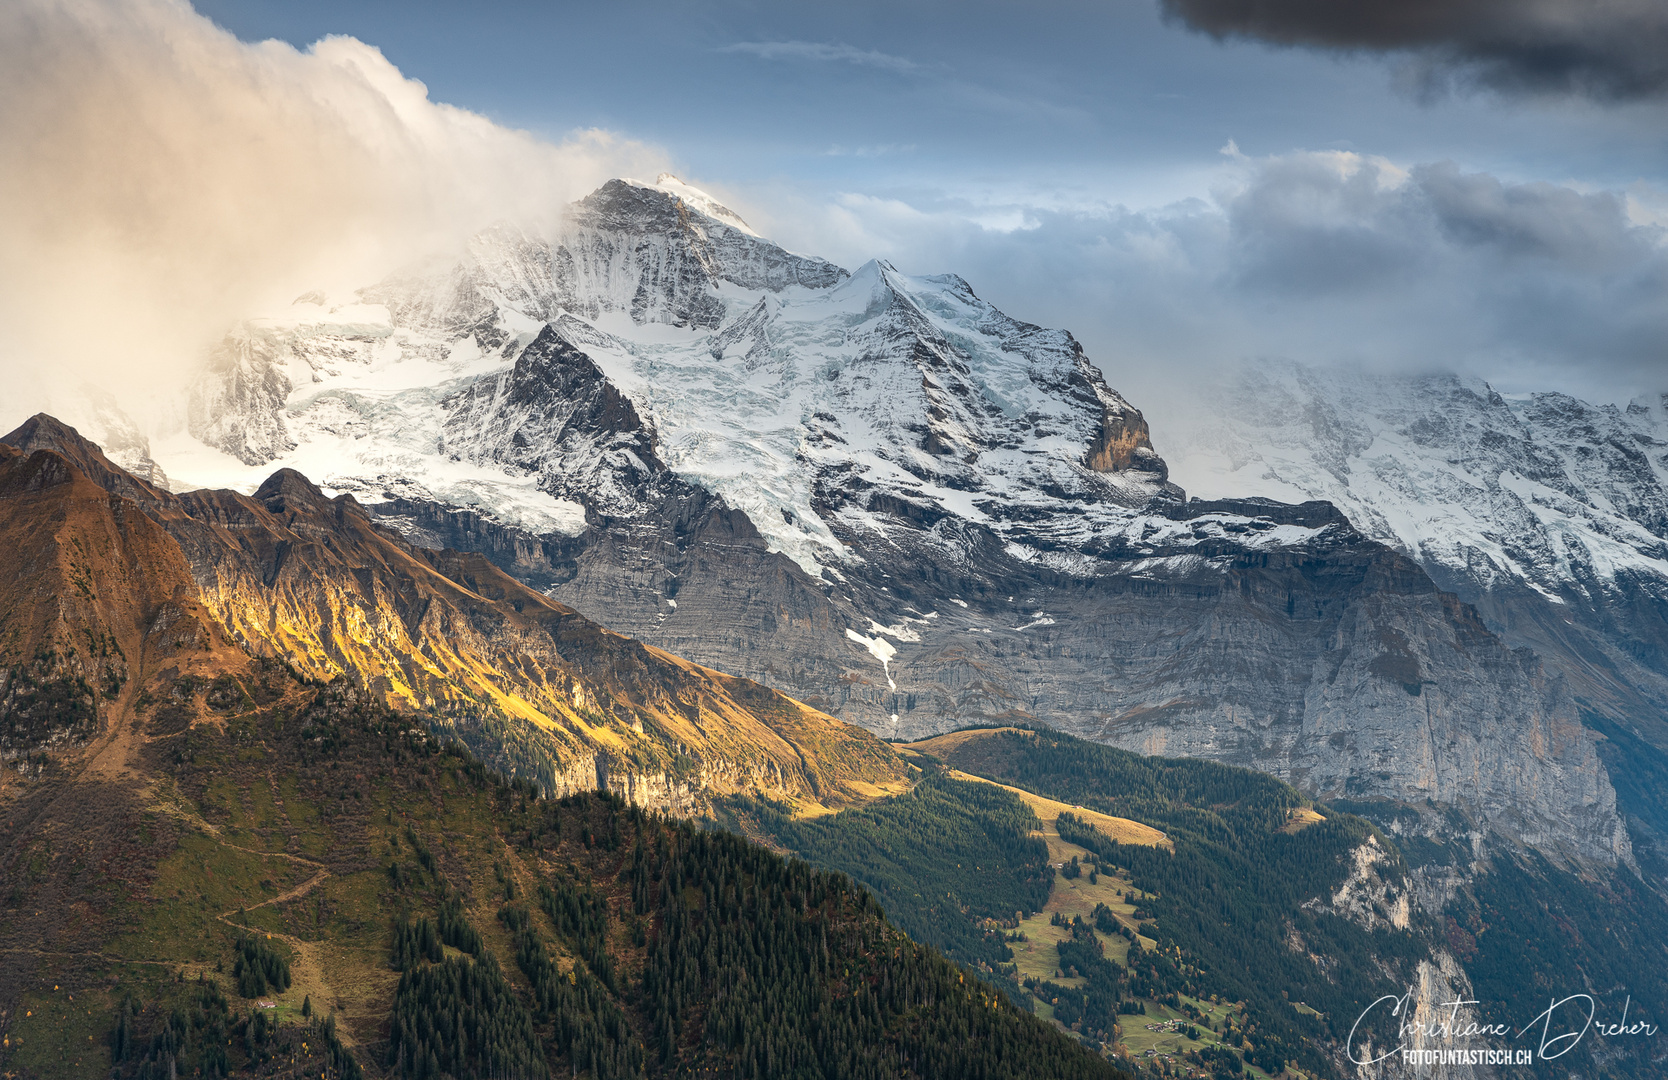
point(111, 596)
point(554, 407)
point(884, 497)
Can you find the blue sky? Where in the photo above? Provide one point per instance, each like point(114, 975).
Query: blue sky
point(1074, 102)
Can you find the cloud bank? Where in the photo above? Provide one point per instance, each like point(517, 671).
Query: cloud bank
point(1610, 49)
point(160, 179)
point(1325, 258)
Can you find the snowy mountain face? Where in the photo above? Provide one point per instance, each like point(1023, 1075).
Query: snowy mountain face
point(1502, 499)
point(1567, 498)
point(793, 390)
point(885, 497)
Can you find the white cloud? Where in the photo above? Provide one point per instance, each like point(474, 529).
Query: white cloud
point(823, 52)
point(160, 179)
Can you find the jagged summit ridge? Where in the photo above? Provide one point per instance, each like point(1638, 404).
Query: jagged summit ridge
point(781, 383)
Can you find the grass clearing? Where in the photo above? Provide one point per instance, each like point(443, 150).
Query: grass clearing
point(60, 1033)
point(1038, 956)
point(1161, 1032)
point(1048, 811)
point(1301, 818)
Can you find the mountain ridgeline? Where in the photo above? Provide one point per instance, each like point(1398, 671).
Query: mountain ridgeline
point(884, 497)
point(114, 583)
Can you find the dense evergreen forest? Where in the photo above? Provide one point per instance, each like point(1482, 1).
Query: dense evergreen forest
point(1232, 899)
point(1229, 898)
point(943, 859)
point(664, 949)
point(1529, 933)
point(489, 932)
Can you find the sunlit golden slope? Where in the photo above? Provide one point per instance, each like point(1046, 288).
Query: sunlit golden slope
point(1048, 811)
point(292, 575)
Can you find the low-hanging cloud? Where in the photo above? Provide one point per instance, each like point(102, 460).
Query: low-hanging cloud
point(160, 179)
point(1610, 49)
point(1324, 258)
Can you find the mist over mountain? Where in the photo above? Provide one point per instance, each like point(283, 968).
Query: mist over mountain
point(425, 545)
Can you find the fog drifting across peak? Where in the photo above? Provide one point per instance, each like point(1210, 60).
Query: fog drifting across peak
point(1323, 258)
point(160, 179)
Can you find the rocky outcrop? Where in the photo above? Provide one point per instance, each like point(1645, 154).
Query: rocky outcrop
point(540, 561)
point(1435, 1011)
point(555, 415)
point(1123, 443)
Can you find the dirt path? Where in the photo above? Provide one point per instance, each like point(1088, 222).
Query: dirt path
point(308, 972)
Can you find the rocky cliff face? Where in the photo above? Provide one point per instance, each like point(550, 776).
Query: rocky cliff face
point(1548, 514)
point(884, 497)
point(555, 416)
point(118, 576)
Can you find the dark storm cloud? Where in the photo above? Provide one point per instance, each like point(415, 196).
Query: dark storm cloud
point(1615, 49)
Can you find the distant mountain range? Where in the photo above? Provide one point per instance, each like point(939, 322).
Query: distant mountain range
point(1546, 513)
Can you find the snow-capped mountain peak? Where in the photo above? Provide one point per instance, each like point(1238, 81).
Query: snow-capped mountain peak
point(696, 199)
point(797, 392)
point(652, 411)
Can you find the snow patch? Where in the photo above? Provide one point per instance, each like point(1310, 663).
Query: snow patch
point(880, 649)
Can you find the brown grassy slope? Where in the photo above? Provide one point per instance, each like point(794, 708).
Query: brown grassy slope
point(962, 748)
point(95, 600)
point(316, 581)
point(312, 581)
